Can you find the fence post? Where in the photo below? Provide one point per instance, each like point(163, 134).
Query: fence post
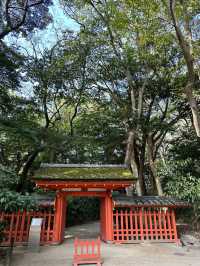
point(108, 218)
point(59, 218)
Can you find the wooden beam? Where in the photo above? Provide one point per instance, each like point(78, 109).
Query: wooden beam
point(85, 193)
point(62, 184)
point(54, 165)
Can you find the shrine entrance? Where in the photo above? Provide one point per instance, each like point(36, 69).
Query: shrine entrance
point(106, 207)
point(84, 181)
point(82, 218)
point(123, 219)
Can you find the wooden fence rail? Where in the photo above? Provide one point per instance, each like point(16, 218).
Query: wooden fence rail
point(135, 225)
point(87, 252)
point(18, 225)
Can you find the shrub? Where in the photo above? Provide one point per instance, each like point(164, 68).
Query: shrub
point(8, 178)
point(11, 201)
point(181, 179)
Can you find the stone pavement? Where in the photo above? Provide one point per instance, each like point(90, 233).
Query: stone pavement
point(113, 255)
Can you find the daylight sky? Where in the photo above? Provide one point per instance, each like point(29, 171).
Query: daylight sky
point(48, 37)
point(43, 39)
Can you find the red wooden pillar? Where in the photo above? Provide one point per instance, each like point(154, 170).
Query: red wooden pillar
point(102, 218)
point(60, 216)
point(107, 218)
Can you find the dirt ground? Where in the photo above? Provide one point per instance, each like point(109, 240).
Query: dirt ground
point(113, 255)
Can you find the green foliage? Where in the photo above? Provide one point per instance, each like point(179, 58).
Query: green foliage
point(179, 181)
point(181, 175)
point(80, 210)
point(8, 178)
point(98, 135)
point(84, 173)
point(12, 202)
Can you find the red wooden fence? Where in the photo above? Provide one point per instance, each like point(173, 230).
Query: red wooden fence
point(87, 252)
point(135, 225)
point(18, 225)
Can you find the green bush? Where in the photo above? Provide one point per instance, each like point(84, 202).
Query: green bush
point(11, 201)
point(8, 178)
point(181, 180)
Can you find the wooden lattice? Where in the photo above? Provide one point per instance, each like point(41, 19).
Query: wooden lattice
point(87, 252)
point(18, 225)
point(135, 225)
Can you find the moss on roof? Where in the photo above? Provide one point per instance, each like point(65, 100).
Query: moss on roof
point(84, 173)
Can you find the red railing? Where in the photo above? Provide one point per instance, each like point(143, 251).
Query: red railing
point(87, 251)
point(135, 225)
point(18, 225)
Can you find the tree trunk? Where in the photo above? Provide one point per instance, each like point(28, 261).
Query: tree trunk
point(134, 163)
point(185, 45)
point(194, 108)
point(150, 148)
point(23, 172)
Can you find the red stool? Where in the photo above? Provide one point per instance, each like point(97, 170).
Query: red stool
point(87, 252)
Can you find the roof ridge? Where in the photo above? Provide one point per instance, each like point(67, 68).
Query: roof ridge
point(54, 165)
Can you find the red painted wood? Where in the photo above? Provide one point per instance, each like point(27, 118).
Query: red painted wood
point(87, 252)
point(140, 225)
point(28, 225)
point(131, 223)
point(160, 234)
point(174, 225)
point(62, 184)
point(22, 226)
point(136, 216)
point(108, 218)
point(169, 225)
point(121, 225)
point(85, 194)
point(146, 232)
point(117, 225)
point(11, 228)
point(17, 216)
point(18, 225)
point(150, 224)
point(102, 218)
point(126, 225)
point(165, 224)
point(60, 215)
point(155, 224)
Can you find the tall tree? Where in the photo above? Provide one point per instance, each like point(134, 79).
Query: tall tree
point(134, 68)
point(183, 15)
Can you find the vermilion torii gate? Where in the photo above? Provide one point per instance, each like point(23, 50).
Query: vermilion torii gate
point(83, 180)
